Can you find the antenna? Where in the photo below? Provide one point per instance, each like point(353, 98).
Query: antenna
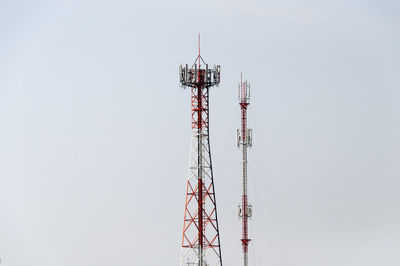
point(199, 51)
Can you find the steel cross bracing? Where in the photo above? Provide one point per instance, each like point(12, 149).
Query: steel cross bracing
point(244, 139)
point(200, 238)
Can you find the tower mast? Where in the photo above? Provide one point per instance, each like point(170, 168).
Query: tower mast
point(200, 239)
point(244, 139)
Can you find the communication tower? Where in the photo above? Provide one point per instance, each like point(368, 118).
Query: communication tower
point(244, 139)
point(200, 239)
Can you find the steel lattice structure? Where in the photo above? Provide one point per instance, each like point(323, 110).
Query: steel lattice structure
point(200, 239)
point(244, 139)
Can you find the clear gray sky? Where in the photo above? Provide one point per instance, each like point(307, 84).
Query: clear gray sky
point(95, 130)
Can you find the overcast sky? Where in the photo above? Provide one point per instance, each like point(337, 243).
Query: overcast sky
point(95, 130)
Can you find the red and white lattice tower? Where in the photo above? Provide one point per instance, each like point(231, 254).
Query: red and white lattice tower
point(244, 139)
point(200, 240)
